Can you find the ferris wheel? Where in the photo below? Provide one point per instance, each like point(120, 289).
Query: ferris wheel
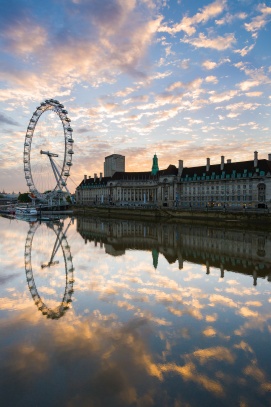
point(47, 155)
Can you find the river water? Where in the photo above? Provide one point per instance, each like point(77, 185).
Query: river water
point(98, 312)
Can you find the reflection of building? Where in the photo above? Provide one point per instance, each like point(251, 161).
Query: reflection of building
point(243, 251)
point(233, 184)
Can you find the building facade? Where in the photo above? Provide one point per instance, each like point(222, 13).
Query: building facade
point(236, 184)
point(114, 163)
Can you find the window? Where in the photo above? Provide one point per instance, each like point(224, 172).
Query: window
point(261, 192)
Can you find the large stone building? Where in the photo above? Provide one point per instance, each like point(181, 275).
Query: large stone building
point(246, 183)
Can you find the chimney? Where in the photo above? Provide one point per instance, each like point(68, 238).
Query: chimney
point(101, 176)
point(208, 164)
point(95, 177)
point(85, 178)
point(269, 157)
point(228, 161)
point(222, 162)
point(255, 158)
point(89, 177)
point(180, 169)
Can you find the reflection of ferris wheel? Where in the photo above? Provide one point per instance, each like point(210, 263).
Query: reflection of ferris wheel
point(60, 242)
point(47, 160)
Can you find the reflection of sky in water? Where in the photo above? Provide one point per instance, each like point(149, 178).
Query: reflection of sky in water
point(135, 334)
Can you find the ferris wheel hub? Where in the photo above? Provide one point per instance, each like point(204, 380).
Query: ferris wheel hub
point(48, 153)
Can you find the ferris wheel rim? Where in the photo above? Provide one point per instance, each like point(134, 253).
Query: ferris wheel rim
point(58, 108)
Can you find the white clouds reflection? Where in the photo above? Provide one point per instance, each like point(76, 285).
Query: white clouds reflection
point(134, 335)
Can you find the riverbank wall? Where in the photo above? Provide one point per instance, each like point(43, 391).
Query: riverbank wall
point(259, 217)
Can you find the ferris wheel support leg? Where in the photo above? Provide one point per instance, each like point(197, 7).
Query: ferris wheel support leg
point(55, 248)
point(57, 174)
point(55, 171)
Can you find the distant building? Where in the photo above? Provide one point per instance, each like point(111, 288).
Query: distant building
point(246, 184)
point(8, 198)
point(114, 163)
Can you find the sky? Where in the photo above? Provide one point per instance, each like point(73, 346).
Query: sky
point(183, 79)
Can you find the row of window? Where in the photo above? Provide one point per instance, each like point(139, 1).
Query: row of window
point(217, 188)
point(217, 198)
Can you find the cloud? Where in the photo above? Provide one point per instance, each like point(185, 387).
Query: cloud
point(248, 313)
point(229, 18)
point(217, 353)
point(253, 94)
point(241, 106)
point(209, 65)
point(7, 120)
point(121, 40)
point(258, 22)
point(221, 299)
point(256, 76)
point(174, 86)
point(218, 43)
point(82, 130)
point(187, 23)
point(246, 85)
point(209, 331)
point(24, 38)
point(222, 97)
point(212, 64)
point(211, 79)
point(244, 51)
point(99, 40)
point(6, 279)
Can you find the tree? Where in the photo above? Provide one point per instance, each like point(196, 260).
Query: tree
point(24, 198)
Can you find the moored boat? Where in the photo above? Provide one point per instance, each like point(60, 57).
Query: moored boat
point(26, 211)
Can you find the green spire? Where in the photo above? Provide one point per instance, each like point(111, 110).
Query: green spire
point(155, 255)
point(155, 167)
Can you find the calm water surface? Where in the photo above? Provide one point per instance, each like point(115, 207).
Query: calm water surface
point(128, 313)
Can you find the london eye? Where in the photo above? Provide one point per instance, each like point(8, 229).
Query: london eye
point(48, 151)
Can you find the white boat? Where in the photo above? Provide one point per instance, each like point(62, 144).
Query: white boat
point(25, 211)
